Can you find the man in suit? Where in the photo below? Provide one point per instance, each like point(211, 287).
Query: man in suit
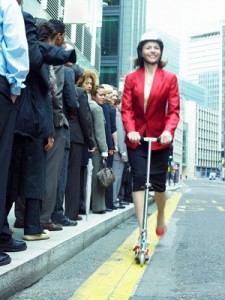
point(80, 131)
point(34, 131)
point(61, 125)
point(14, 67)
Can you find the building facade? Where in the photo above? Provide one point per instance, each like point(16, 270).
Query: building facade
point(123, 23)
point(203, 65)
point(192, 91)
point(222, 84)
point(202, 140)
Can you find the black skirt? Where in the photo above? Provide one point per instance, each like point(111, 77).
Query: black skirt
point(158, 167)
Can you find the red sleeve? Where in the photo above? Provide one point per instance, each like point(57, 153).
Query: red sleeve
point(172, 117)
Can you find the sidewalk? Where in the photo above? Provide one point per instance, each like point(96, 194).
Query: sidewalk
point(41, 257)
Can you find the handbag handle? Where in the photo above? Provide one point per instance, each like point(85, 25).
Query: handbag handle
point(104, 163)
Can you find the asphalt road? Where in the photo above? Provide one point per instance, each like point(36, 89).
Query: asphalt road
point(188, 263)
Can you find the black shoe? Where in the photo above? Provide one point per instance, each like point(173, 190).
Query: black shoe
point(100, 212)
point(82, 211)
point(121, 206)
point(114, 207)
point(67, 222)
point(13, 246)
point(18, 223)
point(124, 203)
point(5, 259)
point(109, 209)
point(79, 218)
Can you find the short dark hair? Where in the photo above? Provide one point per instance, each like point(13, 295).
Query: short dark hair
point(58, 25)
point(45, 30)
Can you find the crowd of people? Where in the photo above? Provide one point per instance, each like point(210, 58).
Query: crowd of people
point(54, 116)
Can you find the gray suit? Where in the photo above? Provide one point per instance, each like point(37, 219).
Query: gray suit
point(55, 155)
point(98, 192)
point(118, 164)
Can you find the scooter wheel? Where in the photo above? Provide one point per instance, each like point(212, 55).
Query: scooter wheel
point(142, 259)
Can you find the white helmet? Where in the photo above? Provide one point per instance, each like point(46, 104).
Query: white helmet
point(147, 37)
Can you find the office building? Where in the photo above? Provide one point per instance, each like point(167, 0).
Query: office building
point(202, 143)
point(122, 26)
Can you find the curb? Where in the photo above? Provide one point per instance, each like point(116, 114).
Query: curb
point(41, 257)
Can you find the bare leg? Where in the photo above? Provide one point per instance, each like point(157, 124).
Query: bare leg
point(160, 199)
point(138, 198)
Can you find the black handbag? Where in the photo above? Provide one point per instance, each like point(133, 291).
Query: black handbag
point(105, 175)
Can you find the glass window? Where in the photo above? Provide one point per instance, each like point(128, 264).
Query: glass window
point(110, 35)
point(108, 75)
point(111, 2)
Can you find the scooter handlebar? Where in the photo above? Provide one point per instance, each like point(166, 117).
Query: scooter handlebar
point(150, 139)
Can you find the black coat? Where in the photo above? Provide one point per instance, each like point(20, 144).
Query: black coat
point(80, 121)
point(35, 107)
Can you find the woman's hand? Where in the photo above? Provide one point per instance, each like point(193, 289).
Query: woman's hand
point(166, 137)
point(49, 144)
point(134, 136)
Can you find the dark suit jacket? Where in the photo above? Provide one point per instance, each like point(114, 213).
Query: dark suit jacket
point(79, 117)
point(108, 131)
point(112, 116)
point(35, 107)
point(163, 107)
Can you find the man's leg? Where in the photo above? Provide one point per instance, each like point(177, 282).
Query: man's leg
point(8, 113)
point(58, 213)
point(54, 164)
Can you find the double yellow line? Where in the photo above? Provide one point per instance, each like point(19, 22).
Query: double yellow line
point(119, 275)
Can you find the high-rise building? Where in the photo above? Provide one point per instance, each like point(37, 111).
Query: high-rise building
point(222, 83)
point(192, 91)
point(202, 143)
point(203, 65)
point(123, 23)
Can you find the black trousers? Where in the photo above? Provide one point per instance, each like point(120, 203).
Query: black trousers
point(72, 193)
point(58, 213)
point(32, 216)
point(8, 113)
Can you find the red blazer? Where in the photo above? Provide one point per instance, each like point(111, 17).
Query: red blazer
point(163, 107)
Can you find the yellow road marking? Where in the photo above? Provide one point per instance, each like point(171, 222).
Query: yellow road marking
point(118, 276)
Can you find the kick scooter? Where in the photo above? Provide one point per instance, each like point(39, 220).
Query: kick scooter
point(141, 251)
